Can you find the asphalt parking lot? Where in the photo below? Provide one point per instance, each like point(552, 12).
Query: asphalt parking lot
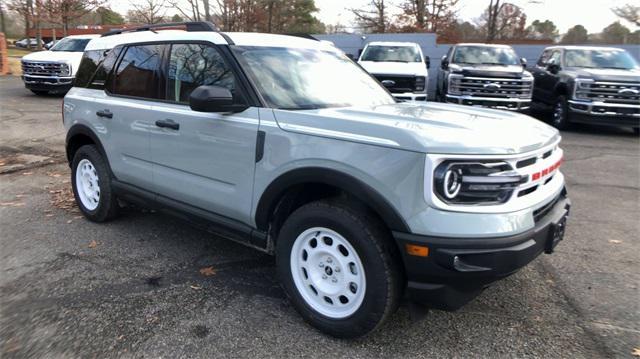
point(146, 285)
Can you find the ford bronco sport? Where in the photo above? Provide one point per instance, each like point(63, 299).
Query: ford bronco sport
point(360, 198)
point(587, 84)
point(484, 75)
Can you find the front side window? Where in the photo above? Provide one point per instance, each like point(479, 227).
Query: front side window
point(544, 58)
point(391, 54)
point(70, 45)
point(596, 58)
point(292, 78)
point(485, 55)
point(193, 65)
point(137, 74)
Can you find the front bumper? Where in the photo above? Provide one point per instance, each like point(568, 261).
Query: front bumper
point(47, 83)
point(511, 104)
point(603, 113)
point(411, 96)
point(456, 270)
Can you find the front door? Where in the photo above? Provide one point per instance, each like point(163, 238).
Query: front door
point(206, 160)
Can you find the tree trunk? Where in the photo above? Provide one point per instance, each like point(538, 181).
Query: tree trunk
point(207, 11)
point(4, 26)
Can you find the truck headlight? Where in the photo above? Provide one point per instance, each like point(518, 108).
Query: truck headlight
point(582, 88)
point(420, 82)
point(475, 182)
point(454, 84)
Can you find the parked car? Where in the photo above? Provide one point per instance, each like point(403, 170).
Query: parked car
point(28, 43)
point(484, 75)
point(585, 84)
point(399, 67)
point(54, 69)
point(285, 145)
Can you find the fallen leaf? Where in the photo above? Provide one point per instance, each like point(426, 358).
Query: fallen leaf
point(27, 173)
point(615, 241)
point(2, 163)
point(196, 287)
point(92, 244)
point(11, 204)
point(49, 215)
point(19, 195)
point(207, 271)
point(636, 352)
point(69, 221)
point(121, 337)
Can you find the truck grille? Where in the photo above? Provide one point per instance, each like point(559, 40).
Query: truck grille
point(610, 92)
point(492, 87)
point(399, 84)
point(45, 68)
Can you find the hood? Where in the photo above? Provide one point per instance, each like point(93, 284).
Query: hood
point(395, 68)
point(428, 128)
point(612, 75)
point(510, 71)
point(72, 58)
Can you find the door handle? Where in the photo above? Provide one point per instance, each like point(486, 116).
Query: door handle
point(104, 113)
point(168, 124)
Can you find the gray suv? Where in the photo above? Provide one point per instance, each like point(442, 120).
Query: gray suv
point(286, 145)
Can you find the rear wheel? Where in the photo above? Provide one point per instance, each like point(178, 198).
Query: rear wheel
point(560, 118)
point(91, 182)
point(338, 267)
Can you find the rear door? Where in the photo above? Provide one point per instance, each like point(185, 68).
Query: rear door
point(125, 109)
point(206, 160)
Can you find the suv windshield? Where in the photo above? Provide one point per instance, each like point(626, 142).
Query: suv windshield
point(380, 53)
point(71, 45)
point(485, 55)
point(607, 59)
point(297, 79)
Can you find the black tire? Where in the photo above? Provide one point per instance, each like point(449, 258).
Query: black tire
point(40, 92)
point(560, 114)
point(372, 243)
point(636, 131)
point(107, 207)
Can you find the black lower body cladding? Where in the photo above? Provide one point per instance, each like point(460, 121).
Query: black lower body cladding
point(456, 270)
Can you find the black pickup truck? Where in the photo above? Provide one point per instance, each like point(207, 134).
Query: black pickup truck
point(484, 75)
point(596, 85)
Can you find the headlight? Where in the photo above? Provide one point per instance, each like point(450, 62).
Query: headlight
point(582, 89)
point(454, 84)
point(420, 81)
point(475, 182)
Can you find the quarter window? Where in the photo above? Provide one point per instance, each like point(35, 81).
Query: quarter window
point(193, 65)
point(137, 74)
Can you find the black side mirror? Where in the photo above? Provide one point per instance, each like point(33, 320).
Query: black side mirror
point(523, 62)
point(427, 61)
point(552, 67)
point(351, 57)
point(444, 63)
point(360, 53)
point(213, 99)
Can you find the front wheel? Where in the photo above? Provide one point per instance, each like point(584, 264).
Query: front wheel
point(338, 266)
point(560, 119)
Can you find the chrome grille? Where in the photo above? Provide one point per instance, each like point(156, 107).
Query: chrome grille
point(45, 68)
point(610, 92)
point(491, 87)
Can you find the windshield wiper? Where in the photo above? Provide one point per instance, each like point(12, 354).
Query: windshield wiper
point(615, 67)
point(494, 63)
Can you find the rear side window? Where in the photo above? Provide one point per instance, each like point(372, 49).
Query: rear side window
point(193, 65)
point(94, 67)
point(137, 74)
point(99, 79)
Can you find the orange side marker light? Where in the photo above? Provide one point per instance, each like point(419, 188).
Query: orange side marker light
point(415, 250)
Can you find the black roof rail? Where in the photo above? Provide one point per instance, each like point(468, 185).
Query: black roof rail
point(189, 25)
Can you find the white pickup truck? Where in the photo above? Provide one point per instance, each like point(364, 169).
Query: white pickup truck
point(399, 67)
point(53, 70)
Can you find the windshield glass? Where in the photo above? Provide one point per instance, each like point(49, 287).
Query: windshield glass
point(607, 59)
point(296, 79)
point(485, 55)
point(71, 45)
point(381, 53)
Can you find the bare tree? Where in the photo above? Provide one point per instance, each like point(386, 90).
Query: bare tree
point(65, 12)
point(374, 18)
point(628, 12)
point(148, 11)
point(431, 15)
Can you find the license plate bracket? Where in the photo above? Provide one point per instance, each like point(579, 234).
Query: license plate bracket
point(556, 233)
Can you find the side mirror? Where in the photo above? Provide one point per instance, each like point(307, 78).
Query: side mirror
point(444, 63)
point(360, 53)
point(427, 61)
point(552, 67)
point(213, 99)
point(351, 57)
point(523, 62)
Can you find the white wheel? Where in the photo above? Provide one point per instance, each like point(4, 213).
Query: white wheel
point(327, 272)
point(88, 186)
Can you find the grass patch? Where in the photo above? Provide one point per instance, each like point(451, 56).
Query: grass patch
point(14, 51)
point(15, 67)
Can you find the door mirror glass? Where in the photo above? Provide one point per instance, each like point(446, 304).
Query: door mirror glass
point(208, 98)
point(427, 61)
point(523, 62)
point(444, 64)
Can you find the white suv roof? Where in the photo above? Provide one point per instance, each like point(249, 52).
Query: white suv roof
point(392, 43)
point(238, 38)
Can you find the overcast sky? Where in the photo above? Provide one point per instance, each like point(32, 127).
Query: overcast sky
point(592, 14)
